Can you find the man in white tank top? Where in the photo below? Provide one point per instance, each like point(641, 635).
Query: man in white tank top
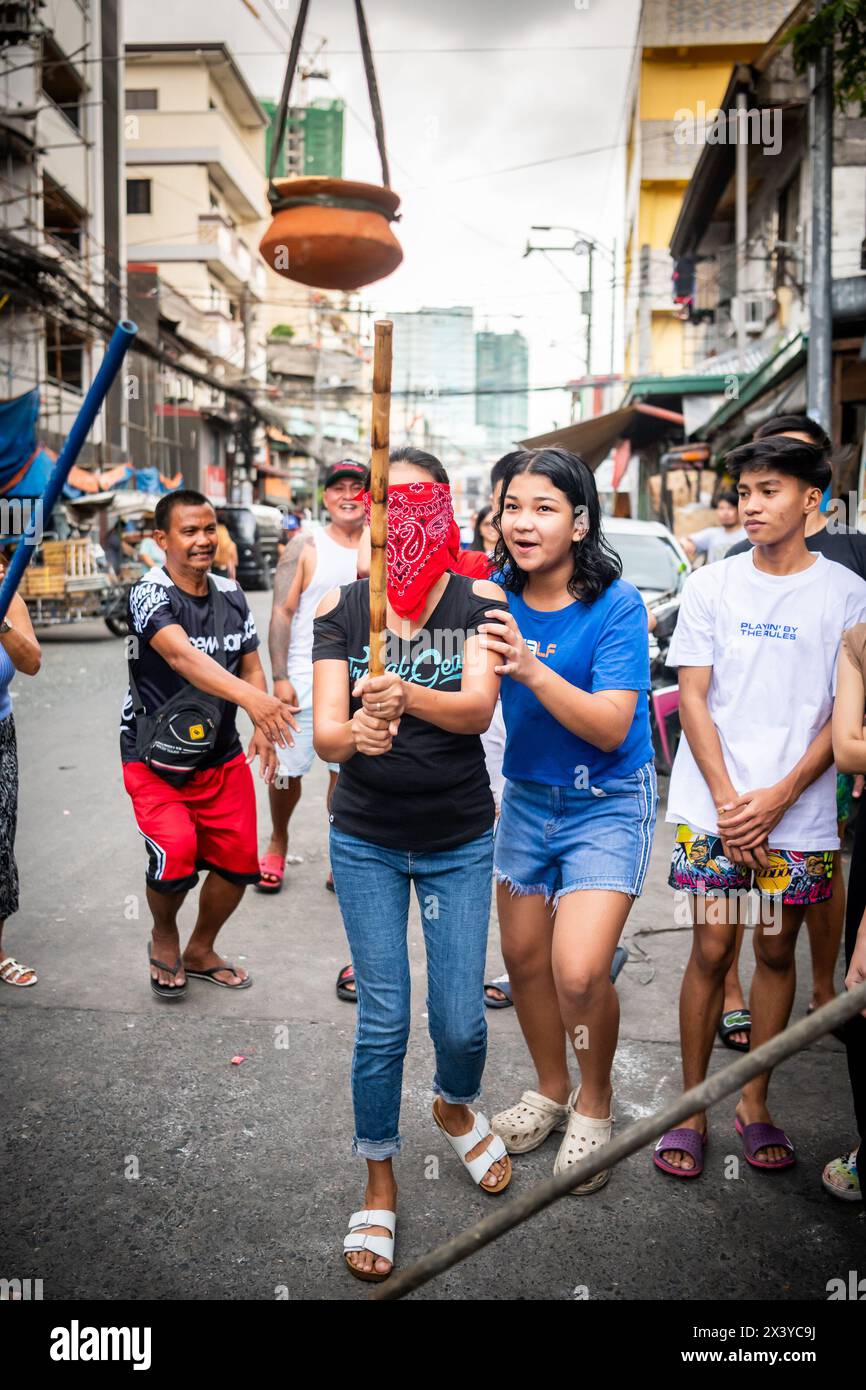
point(311, 565)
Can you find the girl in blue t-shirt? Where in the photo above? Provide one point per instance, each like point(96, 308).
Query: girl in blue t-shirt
point(579, 806)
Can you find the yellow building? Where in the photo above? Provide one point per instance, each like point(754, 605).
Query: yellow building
point(683, 61)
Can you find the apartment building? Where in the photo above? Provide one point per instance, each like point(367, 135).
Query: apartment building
point(683, 60)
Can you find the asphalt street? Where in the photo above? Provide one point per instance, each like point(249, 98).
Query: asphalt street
point(139, 1162)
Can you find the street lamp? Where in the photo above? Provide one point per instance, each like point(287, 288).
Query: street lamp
point(583, 243)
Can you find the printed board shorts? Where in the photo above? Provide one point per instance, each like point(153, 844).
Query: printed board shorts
point(209, 823)
point(799, 877)
point(559, 840)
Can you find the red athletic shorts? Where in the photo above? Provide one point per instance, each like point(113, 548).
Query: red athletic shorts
point(209, 823)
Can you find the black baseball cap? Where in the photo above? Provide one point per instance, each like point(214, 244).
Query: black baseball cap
point(347, 468)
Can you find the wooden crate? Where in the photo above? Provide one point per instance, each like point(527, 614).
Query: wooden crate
point(42, 583)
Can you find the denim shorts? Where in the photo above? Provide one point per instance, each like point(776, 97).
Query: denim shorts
point(558, 840)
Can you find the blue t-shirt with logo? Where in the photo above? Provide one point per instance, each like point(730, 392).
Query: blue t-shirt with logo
point(594, 646)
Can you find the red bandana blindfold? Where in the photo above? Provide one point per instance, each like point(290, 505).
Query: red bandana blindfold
point(423, 542)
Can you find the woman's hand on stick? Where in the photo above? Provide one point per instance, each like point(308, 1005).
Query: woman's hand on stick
point(372, 736)
point(384, 697)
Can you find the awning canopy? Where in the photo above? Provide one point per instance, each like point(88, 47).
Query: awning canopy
point(790, 358)
point(593, 439)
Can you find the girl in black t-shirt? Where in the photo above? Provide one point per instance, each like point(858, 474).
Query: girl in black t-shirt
point(412, 805)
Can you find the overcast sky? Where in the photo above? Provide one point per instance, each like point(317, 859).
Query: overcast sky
point(454, 119)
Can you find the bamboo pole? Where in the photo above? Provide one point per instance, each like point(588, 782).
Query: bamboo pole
point(636, 1136)
point(380, 440)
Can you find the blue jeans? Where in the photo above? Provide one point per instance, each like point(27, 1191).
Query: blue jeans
point(453, 888)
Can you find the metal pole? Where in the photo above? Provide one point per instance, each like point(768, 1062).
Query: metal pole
point(742, 223)
point(819, 366)
point(720, 1084)
point(90, 407)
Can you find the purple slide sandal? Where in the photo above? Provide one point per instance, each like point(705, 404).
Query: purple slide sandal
point(687, 1141)
point(763, 1136)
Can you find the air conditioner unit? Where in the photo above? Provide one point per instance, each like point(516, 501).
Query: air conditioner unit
point(757, 311)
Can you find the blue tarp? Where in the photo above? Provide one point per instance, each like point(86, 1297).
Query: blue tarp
point(17, 436)
point(35, 480)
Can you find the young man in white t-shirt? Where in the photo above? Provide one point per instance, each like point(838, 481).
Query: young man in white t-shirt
point(753, 787)
point(714, 542)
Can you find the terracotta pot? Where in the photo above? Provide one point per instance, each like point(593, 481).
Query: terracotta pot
point(324, 241)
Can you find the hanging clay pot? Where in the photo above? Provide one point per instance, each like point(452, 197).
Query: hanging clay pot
point(332, 234)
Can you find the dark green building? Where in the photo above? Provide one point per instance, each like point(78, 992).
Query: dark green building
point(313, 141)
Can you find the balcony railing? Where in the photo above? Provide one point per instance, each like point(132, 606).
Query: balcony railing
point(233, 255)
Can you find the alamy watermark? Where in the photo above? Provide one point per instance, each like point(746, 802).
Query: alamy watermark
point(713, 126)
point(21, 519)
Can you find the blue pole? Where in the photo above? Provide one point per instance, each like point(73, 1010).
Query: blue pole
point(90, 407)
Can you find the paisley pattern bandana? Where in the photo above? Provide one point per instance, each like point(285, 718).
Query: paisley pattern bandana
point(423, 541)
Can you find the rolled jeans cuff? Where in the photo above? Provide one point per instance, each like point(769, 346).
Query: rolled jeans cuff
point(377, 1149)
point(454, 1100)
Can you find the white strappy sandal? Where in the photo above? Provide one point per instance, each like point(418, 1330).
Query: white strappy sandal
point(528, 1123)
point(583, 1135)
point(477, 1168)
point(380, 1246)
point(11, 972)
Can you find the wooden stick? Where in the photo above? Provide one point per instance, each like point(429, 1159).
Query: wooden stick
point(380, 439)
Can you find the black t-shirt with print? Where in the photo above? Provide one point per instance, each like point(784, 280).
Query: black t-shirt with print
point(431, 790)
point(846, 547)
point(156, 602)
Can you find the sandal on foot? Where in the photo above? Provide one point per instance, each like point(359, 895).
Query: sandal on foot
point(478, 1168)
point(166, 991)
point(735, 1021)
point(11, 972)
point(345, 978)
point(380, 1246)
point(211, 976)
point(841, 1178)
point(528, 1123)
point(503, 984)
point(272, 868)
point(687, 1141)
point(583, 1135)
point(764, 1136)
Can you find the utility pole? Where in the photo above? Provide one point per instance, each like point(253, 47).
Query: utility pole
point(588, 310)
point(741, 187)
point(590, 246)
point(819, 366)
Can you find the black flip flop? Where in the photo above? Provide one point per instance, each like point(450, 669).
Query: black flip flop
point(166, 991)
point(211, 976)
point(735, 1021)
point(503, 984)
point(349, 996)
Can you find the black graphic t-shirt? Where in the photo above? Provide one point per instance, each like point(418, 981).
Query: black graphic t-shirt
point(431, 791)
point(156, 602)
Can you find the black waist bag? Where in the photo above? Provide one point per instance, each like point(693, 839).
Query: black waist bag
point(179, 738)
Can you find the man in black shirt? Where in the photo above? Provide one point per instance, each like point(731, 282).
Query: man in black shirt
point(210, 821)
point(825, 921)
